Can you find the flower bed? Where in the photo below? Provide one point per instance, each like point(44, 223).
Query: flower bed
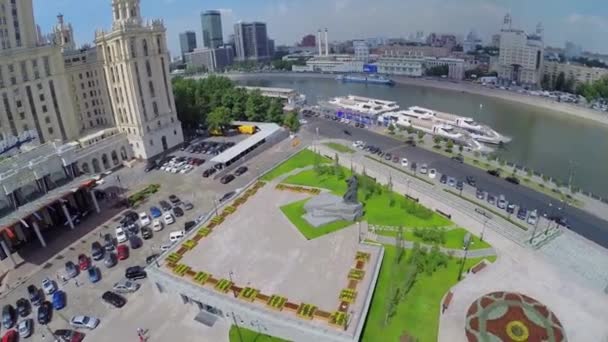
point(276, 302)
point(348, 295)
point(201, 278)
point(217, 220)
point(223, 285)
point(306, 310)
point(338, 319)
point(141, 195)
point(174, 257)
point(181, 269)
point(229, 210)
point(189, 244)
point(248, 294)
point(203, 232)
point(312, 191)
point(356, 274)
point(362, 256)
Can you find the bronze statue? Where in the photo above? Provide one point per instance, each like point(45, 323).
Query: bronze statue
point(351, 193)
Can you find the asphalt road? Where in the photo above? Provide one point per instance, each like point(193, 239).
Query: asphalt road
point(581, 222)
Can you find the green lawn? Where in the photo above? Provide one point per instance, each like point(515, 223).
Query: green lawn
point(250, 336)
point(418, 313)
point(294, 212)
point(454, 239)
point(377, 208)
point(339, 147)
point(301, 159)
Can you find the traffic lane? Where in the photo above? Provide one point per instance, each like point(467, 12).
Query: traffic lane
point(580, 222)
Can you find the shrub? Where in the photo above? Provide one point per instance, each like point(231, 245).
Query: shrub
point(189, 244)
point(248, 294)
point(437, 147)
point(306, 310)
point(338, 318)
point(448, 150)
point(362, 256)
point(204, 232)
point(277, 302)
point(223, 285)
point(181, 269)
point(356, 274)
point(174, 257)
point(201, 278)
point(348, 295)
point(430, 235)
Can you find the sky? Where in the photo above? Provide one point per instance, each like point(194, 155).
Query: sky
point(582, 21)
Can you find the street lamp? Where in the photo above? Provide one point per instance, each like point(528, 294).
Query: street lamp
point(238, 329)
point(464, 259)
point(483, 230)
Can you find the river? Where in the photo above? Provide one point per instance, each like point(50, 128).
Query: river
point(543, 141)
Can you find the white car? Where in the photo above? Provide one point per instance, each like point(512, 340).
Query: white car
point(357, 143)
point(404, 162)
point(533, 217)
point(169, 218)
point(424, 169)
point(48, 286)
point(157, 225)
point(303, 122)
point(25, 328)
point(125, 286)
point(84, 322)
point(144, 219)
point(186, 169)
point(121, 236)
point(432, 173)
point(166, 246)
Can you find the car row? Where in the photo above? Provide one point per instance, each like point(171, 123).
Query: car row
point(181, 165)
point(207, 147)
point(230, 177)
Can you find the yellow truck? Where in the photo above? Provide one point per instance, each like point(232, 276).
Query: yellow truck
point(246, 129)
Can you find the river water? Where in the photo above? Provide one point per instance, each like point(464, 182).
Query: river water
point(543, 141)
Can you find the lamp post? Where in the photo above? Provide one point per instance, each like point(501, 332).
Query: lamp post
point(483, 230)
point(535, 227)
point(236, 324)
point(464, 259)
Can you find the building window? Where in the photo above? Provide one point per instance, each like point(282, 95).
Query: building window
point(151, 86)
point(151, 142)
point(174, 132)
point(24, 74)
point(41, 97)
point(159, 44)
point(44, 109)
point(155, 108)
point(47, 65)
point(51, 130)
point(47, 120)
point(148, 69)
point(145, 47)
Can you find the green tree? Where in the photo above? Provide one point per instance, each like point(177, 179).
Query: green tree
point(545, 83)
point(560, 81)
point(437, 140)
point(391, 128)
point(275, 112)
point(569, 85)
point(292, 122)
point(439, 70)
point(255, 108)
point(421, 135)
point(218, 119)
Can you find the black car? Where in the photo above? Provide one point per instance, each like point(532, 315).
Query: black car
point(129, 217)
point(150, 166)
point(44, 312)
point(241, 170)
point(209, 172)
point(108, 242)
point(443, 179)
point(146, 233)
point(189, 225)
point(347, 132)
point(560, 220)
point(34, 293)
point(459, 185)
point(512, 179)
point(113, 299)
point(413, 166)
point(471, 180)
point(135, 242)
point(227, 179)
point(151, 258)
point(227, 196)
point(135, 272)
point(164, 205)
point(97, 251)
point(178, 212)
point(8, 316)
point(495, 173)
point(522, 214)
point(174, 199)
point(459, 159)
point(23, 307)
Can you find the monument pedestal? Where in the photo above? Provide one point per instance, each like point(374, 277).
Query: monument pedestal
point(327, 208)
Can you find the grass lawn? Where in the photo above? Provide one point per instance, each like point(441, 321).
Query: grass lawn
point(377, 209)
point(418, 313)
point(301, 159)
point(454, 239)
point(339, 147)
point(294, 212)
point(250, 336)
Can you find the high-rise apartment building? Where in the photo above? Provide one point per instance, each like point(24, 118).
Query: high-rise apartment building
point(34, 96)
point(187, 43)
point(212, 29)
point(251, 41)
point(63, 35)
point(361, 48)
point(136, 65)
point(521, 55)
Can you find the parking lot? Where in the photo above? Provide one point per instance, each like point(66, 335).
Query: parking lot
point(84, 297)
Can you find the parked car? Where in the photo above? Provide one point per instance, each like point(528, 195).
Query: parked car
point(241, 170)
point(227, 196)
point(97, 251)
point(48, 286)
point(480, 194)
point(44, 313)
point(189, 225)
point(414, 166)
point(34, 294)
point(121, 236)
point(113, 299)
point(9, 316)
point(135, 242)
point(495, 173)
point(533, 217)
point(23, 307)
point(432, 173)
point(135, 272)
point(166, 246)
point(25, 328)
point(125, 286)
point(459, 159)
point(176, 235)
point(491, 199)
point(452, 182)
point(10, 336)
point(144, 219)
point(522, 214)
point(168, 218)
point(94, 274)
point(151, 258)
point(178, 212)
point(81, 321)
point(511, 208)
point(174, 199)
point(443, 179)
point(146, 232)
point(208, 172)
point(512, 179)
point(110, 260)
point(502, 202)
point(164, 205)
point(155, 212)
point(404, 162)
point(227, 179)
point(59, 299)
point(424, 169)
point(388, 156)
point(84, 262)
point(67, 335)
point(122, 252)
point(108, 242)
point(71, 270)
point(471, 180)
point(459, 185)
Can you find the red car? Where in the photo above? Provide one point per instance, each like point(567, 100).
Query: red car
point(122, 251)
point(10, 336)
point(84, 262)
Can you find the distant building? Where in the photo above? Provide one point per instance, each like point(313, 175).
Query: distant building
point(580, 73)
point(212, 59)
point(271, 48)
point(332, 63)
point(471, 42)
point(187, 43)
point(427, 51)
point(572, 50)
point(251, 41)
point(521, 55)
point(63, 35)
point(495, 41)
point(212, 29)
point(442, 40)
point(456, 66)
point(309, 40)
point(361, 49)
point(400, 65)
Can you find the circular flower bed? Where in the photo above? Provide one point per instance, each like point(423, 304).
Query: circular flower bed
point(507, 316)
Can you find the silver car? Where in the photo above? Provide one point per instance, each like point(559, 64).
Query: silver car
point(81, 321)
point(125, 286)
point(25, 328)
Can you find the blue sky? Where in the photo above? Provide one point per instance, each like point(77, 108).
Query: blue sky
point(583, 21)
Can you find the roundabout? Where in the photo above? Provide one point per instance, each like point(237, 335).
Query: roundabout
point(508, 316)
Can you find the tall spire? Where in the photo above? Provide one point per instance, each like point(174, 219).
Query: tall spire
point(126, 12)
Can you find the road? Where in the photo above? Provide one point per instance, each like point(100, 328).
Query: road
point(581, 222)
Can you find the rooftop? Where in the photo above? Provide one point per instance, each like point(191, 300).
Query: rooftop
point(265, 131)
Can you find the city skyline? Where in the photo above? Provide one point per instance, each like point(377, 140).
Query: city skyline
point(562, 20)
